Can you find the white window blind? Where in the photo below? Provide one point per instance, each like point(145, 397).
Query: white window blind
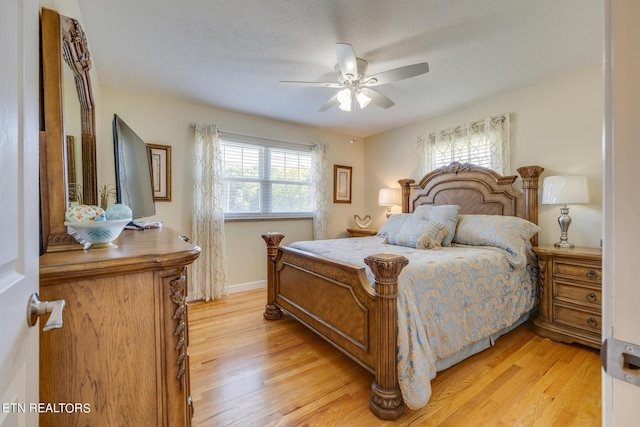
point(262, 180)
point(473, 149)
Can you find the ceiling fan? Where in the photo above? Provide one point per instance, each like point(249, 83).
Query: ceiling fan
point(356, 86)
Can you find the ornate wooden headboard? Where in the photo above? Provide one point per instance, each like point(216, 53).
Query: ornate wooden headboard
point(477, 190)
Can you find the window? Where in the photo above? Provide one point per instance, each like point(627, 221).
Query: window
point(484, 143)
point(266, 180)
point(473, 149)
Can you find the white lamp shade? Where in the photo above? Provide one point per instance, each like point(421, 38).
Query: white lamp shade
point(565, 190)
point(389, 197)
point(344, 98)
point(363, 99)
point(345, 107)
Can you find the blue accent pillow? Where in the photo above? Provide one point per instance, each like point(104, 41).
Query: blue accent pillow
point(419, 234)
point(443, 214)
point(394, 224)
point(510, 233)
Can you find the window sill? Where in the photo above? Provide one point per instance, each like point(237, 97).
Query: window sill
point(267, 218)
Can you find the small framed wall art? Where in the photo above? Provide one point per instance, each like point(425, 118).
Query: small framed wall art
point(341, 184)
point(161, 172)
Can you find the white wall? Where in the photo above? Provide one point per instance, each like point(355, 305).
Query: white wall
point(168, 121)
point(556, 124)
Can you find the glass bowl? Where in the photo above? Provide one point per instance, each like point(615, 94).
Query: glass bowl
point(98, 234)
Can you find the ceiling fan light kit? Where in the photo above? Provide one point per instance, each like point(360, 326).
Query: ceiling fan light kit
point(355, 87)
point(347, 96)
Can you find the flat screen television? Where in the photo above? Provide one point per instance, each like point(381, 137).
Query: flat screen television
point(134, 185)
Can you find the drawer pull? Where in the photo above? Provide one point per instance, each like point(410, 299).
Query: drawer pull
point(592, 297)
point(592, 274)
point(592, 322)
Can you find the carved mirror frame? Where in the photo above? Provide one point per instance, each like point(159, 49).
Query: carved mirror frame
point(63, 38)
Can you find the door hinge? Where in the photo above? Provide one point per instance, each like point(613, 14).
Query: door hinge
point(621, 360)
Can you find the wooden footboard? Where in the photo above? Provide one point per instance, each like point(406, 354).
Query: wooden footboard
point(337, 302)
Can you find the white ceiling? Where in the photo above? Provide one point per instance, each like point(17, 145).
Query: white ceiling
point(232, 53)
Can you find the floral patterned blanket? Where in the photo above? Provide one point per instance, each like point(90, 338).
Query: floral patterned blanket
point(448, 300)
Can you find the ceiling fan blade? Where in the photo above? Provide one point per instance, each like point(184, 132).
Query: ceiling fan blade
point(379, 99)
point(346, 60)
point(316, 84)
point(330, 103)
point(397, 74)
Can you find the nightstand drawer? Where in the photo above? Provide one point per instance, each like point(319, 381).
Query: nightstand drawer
point(577, 270)
point(577, 318)
point(579, 294)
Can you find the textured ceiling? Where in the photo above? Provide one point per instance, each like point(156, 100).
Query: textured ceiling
point(232, 53)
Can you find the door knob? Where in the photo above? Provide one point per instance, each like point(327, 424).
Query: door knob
point(36, 308)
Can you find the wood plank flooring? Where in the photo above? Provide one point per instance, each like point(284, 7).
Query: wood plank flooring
point(247, 371)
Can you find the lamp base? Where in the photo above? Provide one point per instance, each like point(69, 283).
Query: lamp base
point(565, 221)
point(565, 245)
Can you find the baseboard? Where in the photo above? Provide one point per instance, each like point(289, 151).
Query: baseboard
point(250, 286)
point(240, 287)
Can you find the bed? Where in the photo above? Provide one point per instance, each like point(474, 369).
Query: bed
point(357, 300)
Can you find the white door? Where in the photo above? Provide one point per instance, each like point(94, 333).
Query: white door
point(621, 400)
point(19, 220)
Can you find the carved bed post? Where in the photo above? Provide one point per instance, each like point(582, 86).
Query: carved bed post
point(406, 192)
point(386, 399)
point(272, 239)
point(530, 178)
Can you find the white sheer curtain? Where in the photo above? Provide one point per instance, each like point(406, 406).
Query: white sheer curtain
point(485, 143)
point(321, 192)
point(209, 272)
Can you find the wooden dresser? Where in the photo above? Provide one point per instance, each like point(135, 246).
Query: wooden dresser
point(122, 349)
point(570, 295)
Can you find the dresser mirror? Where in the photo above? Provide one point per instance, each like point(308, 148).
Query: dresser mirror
point(68, 139)
point(71, 115)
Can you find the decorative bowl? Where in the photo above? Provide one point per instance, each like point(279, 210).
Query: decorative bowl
point(98, 234)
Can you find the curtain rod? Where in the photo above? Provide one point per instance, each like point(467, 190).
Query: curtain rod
point(306, 144)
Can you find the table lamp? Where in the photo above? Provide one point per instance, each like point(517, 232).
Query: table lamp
point(389, 197)
point(564, 190)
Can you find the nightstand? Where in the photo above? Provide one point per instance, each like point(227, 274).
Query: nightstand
point(362, 232)
point(570, 294)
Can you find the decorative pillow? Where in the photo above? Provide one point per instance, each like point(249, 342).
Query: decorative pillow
point(419, 234)
point(432, 239)
point(442, 214)
point(394, 224)
point(507, 232)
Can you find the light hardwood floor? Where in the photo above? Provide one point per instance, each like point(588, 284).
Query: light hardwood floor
point(247, 371)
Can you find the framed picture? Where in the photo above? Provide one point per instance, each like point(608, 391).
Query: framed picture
point(341, 184)
point(161, 172)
